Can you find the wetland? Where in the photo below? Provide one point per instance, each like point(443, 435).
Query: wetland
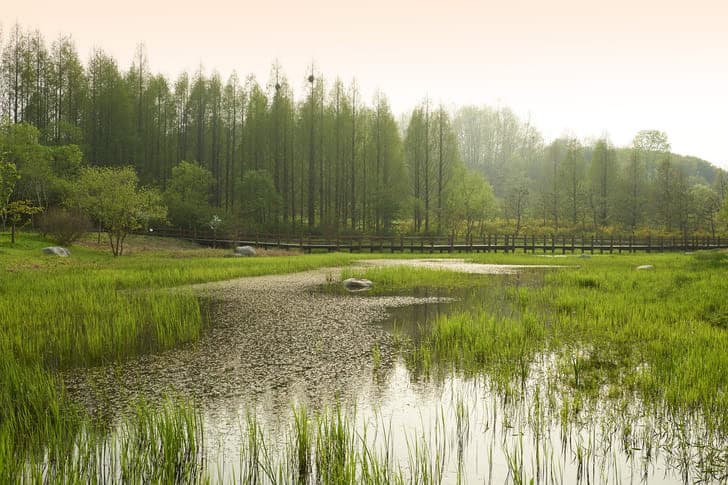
point(492, 369)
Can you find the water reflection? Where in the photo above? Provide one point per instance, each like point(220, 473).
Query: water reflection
point(537, 430)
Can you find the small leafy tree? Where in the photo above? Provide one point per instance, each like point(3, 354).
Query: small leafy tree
point(8, 177)
point(469, 203)
point(723, 213)
point(515, 201)
point(18, 214)
point(112, 197)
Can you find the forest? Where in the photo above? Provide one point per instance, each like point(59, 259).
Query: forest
point(242, 155)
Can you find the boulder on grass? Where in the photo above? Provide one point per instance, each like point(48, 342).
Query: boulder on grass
point(57, 250)
point(356, 284)
point(245, 250)
point(645, 267)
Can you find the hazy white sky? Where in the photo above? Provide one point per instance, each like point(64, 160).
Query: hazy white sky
point(583, 67)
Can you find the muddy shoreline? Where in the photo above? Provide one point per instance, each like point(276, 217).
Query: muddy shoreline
point(271, 339)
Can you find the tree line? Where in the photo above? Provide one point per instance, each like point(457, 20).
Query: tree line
point(238, 155)
point(573, 185)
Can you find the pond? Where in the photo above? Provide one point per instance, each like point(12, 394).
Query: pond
point(277, 344)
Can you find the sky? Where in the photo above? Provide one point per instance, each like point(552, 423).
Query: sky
point(581, 68)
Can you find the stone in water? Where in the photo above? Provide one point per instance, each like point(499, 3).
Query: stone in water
point(356, 284)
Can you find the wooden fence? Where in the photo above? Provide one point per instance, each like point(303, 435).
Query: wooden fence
point(491, 243)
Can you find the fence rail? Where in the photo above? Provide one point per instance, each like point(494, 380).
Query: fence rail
point(490, 243)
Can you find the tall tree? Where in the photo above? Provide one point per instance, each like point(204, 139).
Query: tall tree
point(573, 180)
point(601, 182)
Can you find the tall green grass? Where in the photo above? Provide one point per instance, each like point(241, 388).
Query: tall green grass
point(611, 330)
point(402, 278)
point(91, 309)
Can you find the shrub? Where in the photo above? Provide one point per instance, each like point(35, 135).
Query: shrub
point(63, 226)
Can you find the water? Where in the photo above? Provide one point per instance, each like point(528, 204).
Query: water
point(279, 341)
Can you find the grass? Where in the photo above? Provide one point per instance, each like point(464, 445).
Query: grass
point(91, 309)
point(402, 279)
point(610, 329)
point(641, 355)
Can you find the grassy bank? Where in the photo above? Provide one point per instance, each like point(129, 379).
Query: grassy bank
point(91, 309)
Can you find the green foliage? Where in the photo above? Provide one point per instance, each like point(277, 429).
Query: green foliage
point(20, 144)
point(651, 141)
point(18, 213)
point(66, 161)
point(335, 163)
point(470, 201)
point(660, 334)
point(259, 201)
point(401, 278)
point(113, 198)
point(45, 172)
point(187, 195)
point(8, 178)
point(92, 309)
point(63, 226)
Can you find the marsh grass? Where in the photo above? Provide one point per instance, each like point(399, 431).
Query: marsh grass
point(599, 363)
point(389, 280)
point(611, 328)
point(93, 309)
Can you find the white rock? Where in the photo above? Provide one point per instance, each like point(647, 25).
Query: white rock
point(57, 250)
point(356, 284)
point(245, 250)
